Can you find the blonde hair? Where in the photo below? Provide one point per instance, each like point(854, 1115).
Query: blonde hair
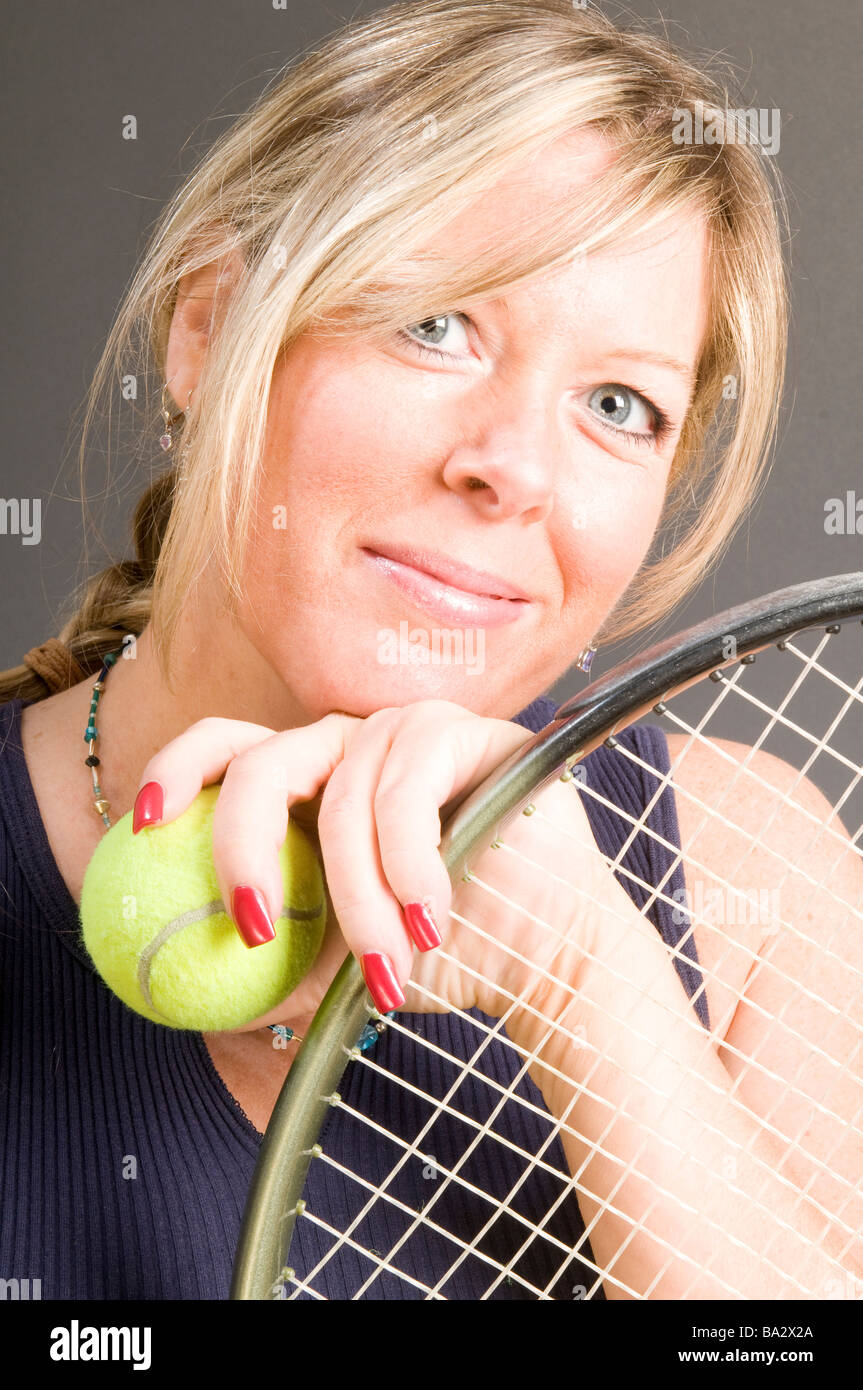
point(326, 189)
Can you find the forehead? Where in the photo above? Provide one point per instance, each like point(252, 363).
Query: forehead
point(655, 283)
point(564, 166)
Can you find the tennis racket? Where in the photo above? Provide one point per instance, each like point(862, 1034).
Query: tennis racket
point(430, 1165)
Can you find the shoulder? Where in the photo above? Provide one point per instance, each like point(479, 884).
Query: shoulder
point(735, 800)
point(759, 841)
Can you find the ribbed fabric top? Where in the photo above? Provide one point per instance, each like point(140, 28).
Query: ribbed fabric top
point(125, 1161)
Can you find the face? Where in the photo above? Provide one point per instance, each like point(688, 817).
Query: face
point(452, 515)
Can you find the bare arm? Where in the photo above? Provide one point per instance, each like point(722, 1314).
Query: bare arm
point(685, 1183)
point(671, 1134)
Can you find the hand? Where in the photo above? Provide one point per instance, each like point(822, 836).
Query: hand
point(559, 936)
point(381, 783)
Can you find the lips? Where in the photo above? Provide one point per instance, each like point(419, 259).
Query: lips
point(450, 572)
point(448, 590)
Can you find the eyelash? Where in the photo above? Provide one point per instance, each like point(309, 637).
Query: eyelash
point(662, 425)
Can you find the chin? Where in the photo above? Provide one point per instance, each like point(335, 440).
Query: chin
point(384, 668)
point(404, 687)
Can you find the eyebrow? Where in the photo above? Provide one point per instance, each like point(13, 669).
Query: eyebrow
point(658, 359)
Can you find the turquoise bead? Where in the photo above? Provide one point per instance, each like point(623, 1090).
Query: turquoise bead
point(369, 1036)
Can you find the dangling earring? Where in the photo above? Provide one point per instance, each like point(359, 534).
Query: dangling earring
point(166, 439)
point(584, 660)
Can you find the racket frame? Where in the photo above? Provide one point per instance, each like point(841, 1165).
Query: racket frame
point(594, 716)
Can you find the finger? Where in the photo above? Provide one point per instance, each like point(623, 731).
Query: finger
point(370, 919)
point(173, 777)
point(380, 830)
point(432, 756)
point(453, 747)
point(196, 758)
point(250, 822)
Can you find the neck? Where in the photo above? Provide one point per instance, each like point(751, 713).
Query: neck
point(215, 671)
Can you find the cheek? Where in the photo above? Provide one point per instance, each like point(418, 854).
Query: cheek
point(339, 446)
point(603, 530)
point(337, 463)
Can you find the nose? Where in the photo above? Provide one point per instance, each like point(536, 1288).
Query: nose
point(507, 462)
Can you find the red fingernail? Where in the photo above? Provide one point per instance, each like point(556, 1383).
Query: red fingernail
point(421, 926)
point(381, 981)
point(149, 806)
point(250, 914)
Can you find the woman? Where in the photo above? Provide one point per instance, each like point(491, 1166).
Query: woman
point(442, 330)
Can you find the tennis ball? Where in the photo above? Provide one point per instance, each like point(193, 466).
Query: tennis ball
point(156, 928)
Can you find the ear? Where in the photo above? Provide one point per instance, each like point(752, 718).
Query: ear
point(201, 299)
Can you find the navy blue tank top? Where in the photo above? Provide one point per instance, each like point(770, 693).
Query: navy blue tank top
point(125, 1161)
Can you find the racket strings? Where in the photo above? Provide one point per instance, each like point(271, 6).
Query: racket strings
point(412, 1150)
point(455, 1176)
point(639, 825)
point(676, 952)
point(452, 1176)
point(536, 1231)
point(853, 700)
point(501, 1207)
point(616, 1111)
point(815, 1155)
point(778, 921)
point(607, 1205)
point(751, 1060)
point(698, 919)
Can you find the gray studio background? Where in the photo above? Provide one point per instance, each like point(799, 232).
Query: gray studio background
point(80, 199)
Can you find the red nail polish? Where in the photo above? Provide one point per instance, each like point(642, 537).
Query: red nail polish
point(250, 914)
point(149, 806)
point(381, 981)
point(421, 926)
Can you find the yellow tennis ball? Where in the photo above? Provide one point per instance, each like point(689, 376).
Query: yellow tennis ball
point(157, 931)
